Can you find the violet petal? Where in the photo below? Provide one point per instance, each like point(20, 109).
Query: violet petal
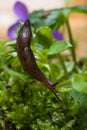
point(21, 11)
point(11, 31)
point(57, 35)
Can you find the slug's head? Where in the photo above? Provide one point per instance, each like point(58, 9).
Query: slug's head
point(25, 34)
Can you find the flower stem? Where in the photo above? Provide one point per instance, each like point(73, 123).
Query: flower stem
point(71, 40)
point(63, 64)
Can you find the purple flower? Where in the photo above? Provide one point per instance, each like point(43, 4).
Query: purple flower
point(22, 13)
point(57, 35)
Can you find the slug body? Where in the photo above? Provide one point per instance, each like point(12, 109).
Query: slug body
point(27, 58)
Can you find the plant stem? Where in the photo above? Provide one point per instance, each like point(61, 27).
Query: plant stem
point(63, 64)
point(71, 40)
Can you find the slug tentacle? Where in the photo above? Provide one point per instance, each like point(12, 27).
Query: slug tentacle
point(27, 58)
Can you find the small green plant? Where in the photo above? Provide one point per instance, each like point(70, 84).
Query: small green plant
point(25, 104)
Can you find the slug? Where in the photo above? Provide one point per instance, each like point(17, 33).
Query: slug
point(27, 58)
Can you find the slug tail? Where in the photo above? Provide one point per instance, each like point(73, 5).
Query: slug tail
point(55, 93)
point(53, 86)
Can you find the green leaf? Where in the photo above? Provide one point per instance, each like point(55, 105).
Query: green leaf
point(3, 50)
point(52, 17)
point(64, 83)
point(44, 37)
point(58, 47)
point(70, 66)
point(74, 9)
point(69, 125)
point(11, 43)
point(64, 86)
point(35, 18)
point(14, 73)
point(45, 31)
point(78, 9)
point(55, 72)
point(2, 123)
point(55, 17)
point(79, 83)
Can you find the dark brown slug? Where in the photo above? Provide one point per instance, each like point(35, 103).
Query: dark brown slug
point(27, 58)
